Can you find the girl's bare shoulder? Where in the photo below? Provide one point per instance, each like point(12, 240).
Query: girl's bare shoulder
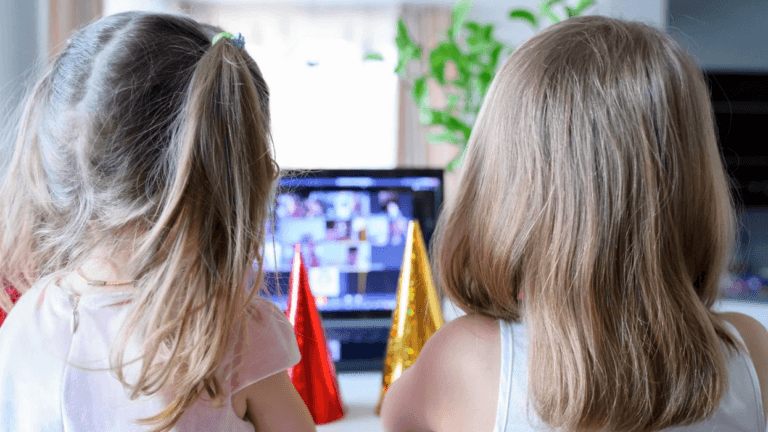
point(473, 329)
point(453, 385)
point(465, 357)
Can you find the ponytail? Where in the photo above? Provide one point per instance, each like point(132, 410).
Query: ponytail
point(191, 263)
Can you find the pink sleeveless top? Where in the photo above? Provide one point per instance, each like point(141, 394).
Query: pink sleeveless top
point(45, 385)
point(741, 410)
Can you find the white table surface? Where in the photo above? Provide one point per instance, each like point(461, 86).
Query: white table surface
point(360, 394)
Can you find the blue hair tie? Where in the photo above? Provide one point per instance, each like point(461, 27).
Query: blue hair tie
point(238, 41)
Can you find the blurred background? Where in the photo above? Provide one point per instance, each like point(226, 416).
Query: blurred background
point(311, 53)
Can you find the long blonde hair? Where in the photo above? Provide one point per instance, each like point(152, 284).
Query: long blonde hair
point(142, 126)
point(594, 207)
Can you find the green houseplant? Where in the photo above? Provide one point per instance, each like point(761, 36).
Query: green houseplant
point(475, 53)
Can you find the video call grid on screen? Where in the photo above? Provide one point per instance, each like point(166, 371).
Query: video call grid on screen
point(351, 227)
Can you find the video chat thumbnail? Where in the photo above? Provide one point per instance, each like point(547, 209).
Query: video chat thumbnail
point(340, 232)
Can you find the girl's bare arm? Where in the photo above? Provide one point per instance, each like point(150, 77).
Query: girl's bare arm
point(273, 404)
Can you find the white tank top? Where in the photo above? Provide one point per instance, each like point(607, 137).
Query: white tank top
point(741, 410)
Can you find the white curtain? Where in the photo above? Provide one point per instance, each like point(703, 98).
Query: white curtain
point(330, 108)
point(67, 16)
point(427, 26)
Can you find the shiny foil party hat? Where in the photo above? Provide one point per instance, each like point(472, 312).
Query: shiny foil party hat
point(417, 315)
point(314, 376)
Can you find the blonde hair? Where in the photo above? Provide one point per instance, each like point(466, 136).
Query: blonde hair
point(143, 126)
point(594, 206)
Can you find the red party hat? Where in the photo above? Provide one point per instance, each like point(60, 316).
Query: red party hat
point(314, 377)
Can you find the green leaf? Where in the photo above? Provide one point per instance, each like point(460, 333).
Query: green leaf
point(452, 101)
point(452, 122)
point(488, 32)
point(446, 136)
point(403, 39)
point(429, 117)
point(420, 92)
point(494, 56)
point(462, 80)
point(432, 117)
point(373, 56)
point(452, 165)
point(526, 15)
point(472, 26)
point(459, 14)
point(484, 81)
point(546, 10)
point(464, 65)
point(477, 43)
point(581, 6)
point(407, 50)
point(439, 56)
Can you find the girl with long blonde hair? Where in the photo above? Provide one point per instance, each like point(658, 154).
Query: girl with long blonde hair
point(131, 214)
point(587, 242)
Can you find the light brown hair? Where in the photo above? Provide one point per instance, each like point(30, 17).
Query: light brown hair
point(593, 206)
point(142, 126)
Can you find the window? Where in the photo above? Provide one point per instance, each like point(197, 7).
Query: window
point(330, 108)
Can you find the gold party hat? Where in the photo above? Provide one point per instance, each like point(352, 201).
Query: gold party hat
point(417, 315)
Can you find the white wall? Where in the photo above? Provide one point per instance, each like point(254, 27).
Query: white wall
point(721, 34)
point(115, 6)
point(651, 12)
point(492, 11)
point(21, 52)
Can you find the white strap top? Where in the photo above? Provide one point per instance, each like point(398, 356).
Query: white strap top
point(741, 410)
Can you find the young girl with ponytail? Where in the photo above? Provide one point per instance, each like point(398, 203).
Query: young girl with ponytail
point(587, 242)
point(133, 207)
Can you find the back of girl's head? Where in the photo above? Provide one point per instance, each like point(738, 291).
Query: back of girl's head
point(593, 205)
point(145, 137)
